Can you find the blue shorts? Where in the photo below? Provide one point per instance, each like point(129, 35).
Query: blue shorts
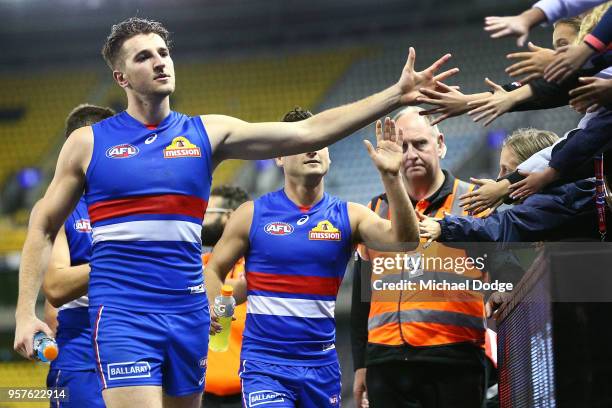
point(84, 388)
point(168, 350)
point(288, 386)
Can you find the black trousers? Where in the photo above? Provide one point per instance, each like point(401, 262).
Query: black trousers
point(425, 385)
point(213, 401)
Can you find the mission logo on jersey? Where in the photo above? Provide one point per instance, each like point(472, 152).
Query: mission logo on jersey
point(324, 231)
point(181, 147)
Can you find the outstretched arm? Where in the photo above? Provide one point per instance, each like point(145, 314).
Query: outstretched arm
point(234, 139)
point(60, 199)
point(365, 223)
point(64, 282)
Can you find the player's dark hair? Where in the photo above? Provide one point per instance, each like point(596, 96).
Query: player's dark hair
point(86, 115)
point(296, 114)
point(233, 196)
point(126, 30)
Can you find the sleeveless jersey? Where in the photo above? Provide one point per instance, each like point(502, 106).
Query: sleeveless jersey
point(295, 264)
point(73, 329)
point(147, 191)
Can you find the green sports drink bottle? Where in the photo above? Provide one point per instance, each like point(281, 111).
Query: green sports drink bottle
point(224, 310)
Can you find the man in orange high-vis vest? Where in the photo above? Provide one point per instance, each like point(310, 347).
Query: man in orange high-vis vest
point(222, 389)
point(419, 352)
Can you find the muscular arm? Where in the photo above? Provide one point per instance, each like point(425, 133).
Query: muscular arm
point(232, 246)
point(63, 282)
point(60, 199)
point(234, 139)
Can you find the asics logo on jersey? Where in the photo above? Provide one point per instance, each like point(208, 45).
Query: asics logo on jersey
point(122, 151)
point(324, 231)
point(181, 147)
point(82, 225)
point(264, 397)
point(303, 220)
point(151, 138)
point(278, 228)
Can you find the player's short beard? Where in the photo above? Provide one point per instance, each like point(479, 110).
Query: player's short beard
point(211, 234)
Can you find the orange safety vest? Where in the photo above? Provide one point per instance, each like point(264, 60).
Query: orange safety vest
point(427, 317)
point(222, 370)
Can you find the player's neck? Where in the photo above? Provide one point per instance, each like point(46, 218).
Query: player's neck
point(423, 187)
point(304, 194)
point(148, 110)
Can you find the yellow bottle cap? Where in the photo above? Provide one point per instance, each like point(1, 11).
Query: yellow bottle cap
point(227, 290)
point(50, 353)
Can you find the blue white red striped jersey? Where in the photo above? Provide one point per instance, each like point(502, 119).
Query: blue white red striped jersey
point(147, 190)
point(295, 264)
point(73, 330)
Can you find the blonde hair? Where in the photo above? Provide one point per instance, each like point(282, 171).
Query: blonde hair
point(574, 22)
point(590, 20)
point(525, 142)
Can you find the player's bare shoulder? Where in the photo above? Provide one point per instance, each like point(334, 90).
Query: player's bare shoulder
point(78, 149)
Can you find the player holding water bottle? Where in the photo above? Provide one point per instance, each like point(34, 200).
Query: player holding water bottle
point(297, 242)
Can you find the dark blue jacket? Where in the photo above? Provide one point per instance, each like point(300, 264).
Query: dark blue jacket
point(562, 212)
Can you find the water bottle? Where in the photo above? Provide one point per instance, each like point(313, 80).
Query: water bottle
point(224, 309)
point(45, 347)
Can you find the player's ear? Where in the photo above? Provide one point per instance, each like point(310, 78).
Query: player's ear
point(279, 161)
point(120, 78)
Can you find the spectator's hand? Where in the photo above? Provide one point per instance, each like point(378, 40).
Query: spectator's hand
point(488, 196)
point(532, 63)
point(215, 326)
point(533, 183)
point(387, 156)
point(517, 26)
point(493, 106)
point(360, 391)
point(495, 301)
point(448, 102)
point(429, 228)
point(25, 329)
point(568, 60)
point(589, 97)
point(411, 81)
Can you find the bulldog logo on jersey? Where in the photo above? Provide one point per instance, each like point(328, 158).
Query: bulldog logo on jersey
point(122, 151)
point(82, 225)
point(324, 231)
point(181, 147)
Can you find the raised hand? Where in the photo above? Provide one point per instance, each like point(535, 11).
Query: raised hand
point(533, 183)
point(26, 328)
point(568, 60)
point(493, 106)
point(517, 26)
point(387, 156)
point(488, 196)
point(589, 97)
point(532, 63)
point(448, 103)
point(429, 228)
point(411, 81)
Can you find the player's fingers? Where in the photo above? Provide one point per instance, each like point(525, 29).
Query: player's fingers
point(411, 59)
point(370, 149)
point(441, 61)
point(515, 55)
point(484, 105)
point(502, 33)
point(392, 131)
point(493, 116)
point(521, 40)
point(581, 90)
point(446, 88)
point(432, 111)
point(446, 74)
point(493, 85)
point(431, 93)
point(531, 77)
point(593, 108)
point(440, 119)
point(379, 131)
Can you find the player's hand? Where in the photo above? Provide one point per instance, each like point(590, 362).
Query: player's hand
point(429, 228)
point(448, 102)
point(589, 97)
point(493, 106)
point(25, 329)
point(411, 81)
point(568, 60)
point(360, 392)
point(531, 63)
point(517, 26)
point(387, 156)
point(533, 183)
point(488, 196)
point(495, 301)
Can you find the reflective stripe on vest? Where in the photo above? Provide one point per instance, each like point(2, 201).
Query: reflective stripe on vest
point(428, 317)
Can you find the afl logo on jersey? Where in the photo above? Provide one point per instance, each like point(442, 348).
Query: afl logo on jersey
point(82, 225)
point(122, 151)
point(278, 228)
